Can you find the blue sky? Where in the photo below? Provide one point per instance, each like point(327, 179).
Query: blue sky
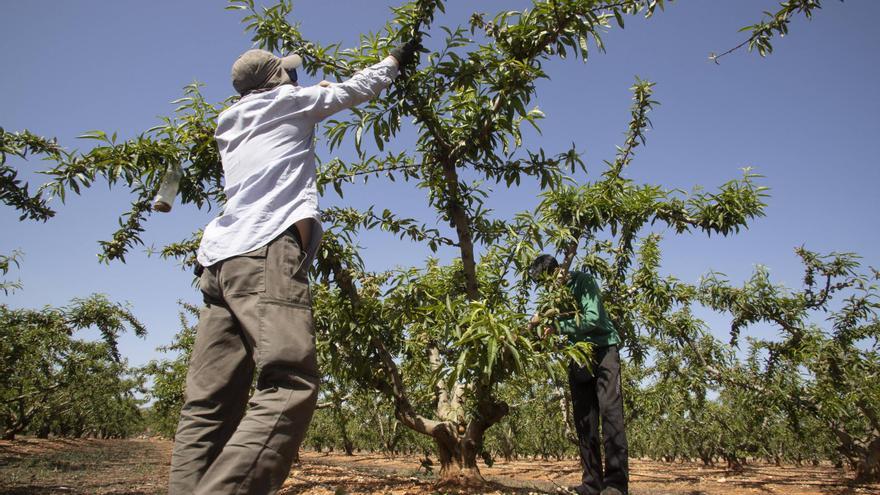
point(804, 117)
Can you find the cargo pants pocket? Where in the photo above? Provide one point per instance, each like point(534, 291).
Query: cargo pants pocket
point(287, 352)
point(286, 274)
point(245, 273)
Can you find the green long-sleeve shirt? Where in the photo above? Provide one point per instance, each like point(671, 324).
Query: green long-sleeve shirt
point(593, 325)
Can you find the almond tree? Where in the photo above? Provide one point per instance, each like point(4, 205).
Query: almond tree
point(826, 370)
point(438, 340)
point(51, 382)
point(169, 376)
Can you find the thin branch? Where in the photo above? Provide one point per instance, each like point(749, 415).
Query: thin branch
point(778, 22)
point(715, 58)
point(36, 392)
point(403, 409)
point(351, 175)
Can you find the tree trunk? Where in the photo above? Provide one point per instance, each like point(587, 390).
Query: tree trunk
point(392, 439)
point(15, 427)
point(869, 469)
point(567, 415)
point(342, 421)
point(508, 444)
point(458, 461)
point(458, 447)
point(706, 456)
point(734, 463)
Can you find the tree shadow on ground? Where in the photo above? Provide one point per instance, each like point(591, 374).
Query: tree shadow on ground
point(853, 488)
point(795, 477)
point(348, 479)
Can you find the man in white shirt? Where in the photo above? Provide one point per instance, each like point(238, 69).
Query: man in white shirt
point(257, 316)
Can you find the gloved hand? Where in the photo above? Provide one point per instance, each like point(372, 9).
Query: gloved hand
point(405, 53)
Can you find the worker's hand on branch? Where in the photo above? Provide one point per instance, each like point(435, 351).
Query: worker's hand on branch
point(405, 54)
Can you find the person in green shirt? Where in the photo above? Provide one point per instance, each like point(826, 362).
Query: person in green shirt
point(595, 388)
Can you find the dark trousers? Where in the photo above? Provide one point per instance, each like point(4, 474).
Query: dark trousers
point(598, 394)
point(257, 319)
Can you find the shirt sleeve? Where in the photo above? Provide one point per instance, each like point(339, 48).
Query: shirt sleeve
point(319, 102)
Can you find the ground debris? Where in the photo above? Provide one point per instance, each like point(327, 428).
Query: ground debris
point(140, 466)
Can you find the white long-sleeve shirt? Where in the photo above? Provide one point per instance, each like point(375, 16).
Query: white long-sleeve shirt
point(267, 146)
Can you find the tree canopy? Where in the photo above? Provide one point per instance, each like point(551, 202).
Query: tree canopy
point(450, 346)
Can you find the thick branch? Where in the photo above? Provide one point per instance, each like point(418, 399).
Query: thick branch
point(463, 229)
point(403, 409)
point(489, 411)
point(869, 413)
point(36, 392)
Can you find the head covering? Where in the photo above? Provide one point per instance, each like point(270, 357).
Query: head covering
point(259, 69)
point(541, 266)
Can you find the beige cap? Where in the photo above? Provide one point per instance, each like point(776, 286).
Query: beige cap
point(259, 69)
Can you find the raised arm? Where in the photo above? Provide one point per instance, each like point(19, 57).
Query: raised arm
point(322, 101)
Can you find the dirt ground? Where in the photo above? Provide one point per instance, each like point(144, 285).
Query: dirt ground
point(100, 467)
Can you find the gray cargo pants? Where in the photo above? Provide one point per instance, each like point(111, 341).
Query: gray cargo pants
point(257, 316)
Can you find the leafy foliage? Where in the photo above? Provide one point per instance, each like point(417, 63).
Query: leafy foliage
point(825, 371)
point(452, 347)
point(53, 383)
point(12, 192)
point(169, 377)
point(773, 24)
point(5, 262)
